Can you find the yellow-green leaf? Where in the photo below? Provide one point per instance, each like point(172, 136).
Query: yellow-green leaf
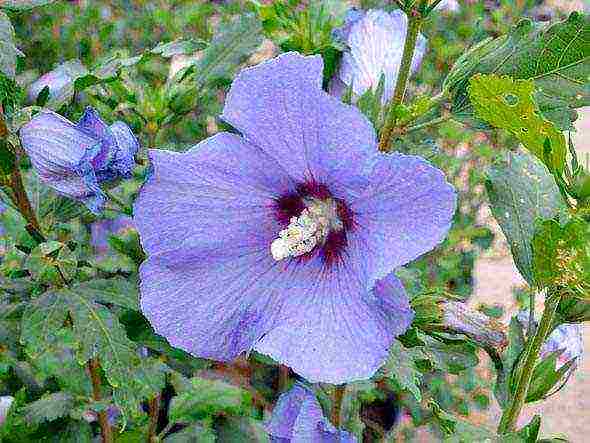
point(509, 104)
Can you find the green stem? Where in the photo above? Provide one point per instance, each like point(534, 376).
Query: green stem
point(415, 21)
point(511, 414)
point(428, 124)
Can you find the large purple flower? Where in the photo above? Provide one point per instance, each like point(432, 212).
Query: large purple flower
point(284, 239)
point(298, 418)
point(375, 44)
point(74, 159)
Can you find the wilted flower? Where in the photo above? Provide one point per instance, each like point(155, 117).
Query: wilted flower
point(5, 402)
point(74, 159)
point(375, 45)
point(298, 418)
point(60, 82)
point(284, 240)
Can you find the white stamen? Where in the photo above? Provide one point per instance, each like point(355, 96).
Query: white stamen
point(306, 231)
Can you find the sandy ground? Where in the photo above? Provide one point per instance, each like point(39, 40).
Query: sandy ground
point(567, 411)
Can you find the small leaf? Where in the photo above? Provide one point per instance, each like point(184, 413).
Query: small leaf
point(401, 368)
point(228, 50)
point(179, 46)
point(49, 407)
point(509, 104)
point(204, 398)
point(546, 377)
point(450, 357)
point(510, 357)
point(521, 190)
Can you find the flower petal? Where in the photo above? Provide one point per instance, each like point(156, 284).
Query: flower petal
point(404, 212)
point(222, 191)
point(279, 106)
point(128, 145)
point(336, 331)
point(91, 124)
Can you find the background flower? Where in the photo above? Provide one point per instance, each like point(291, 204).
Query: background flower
point(207, 219)
point(298, 418)
point(375, 44)
point(74, 159)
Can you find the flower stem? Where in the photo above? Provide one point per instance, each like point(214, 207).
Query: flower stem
point(534, 344)
point(337, 404)
point(415, 21)
point(105, 428)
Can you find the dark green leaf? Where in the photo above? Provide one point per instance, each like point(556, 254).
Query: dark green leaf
point(7, 158)
point(521, 190)
point(204, 398)
point(199, 432)
point(510, 357)
point(117, 291)
point(49, 407)
point(546, 376)
point(241, 430)
point(556, 57)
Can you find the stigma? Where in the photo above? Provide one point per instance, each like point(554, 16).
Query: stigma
point(308, 230)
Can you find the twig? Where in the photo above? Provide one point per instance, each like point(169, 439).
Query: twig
point(337, 404)
point(103, 420)
point(154, 413)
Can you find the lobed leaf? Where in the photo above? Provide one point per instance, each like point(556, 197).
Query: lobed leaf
point(49, 407)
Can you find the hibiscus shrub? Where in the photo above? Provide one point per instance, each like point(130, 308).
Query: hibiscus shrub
point(226, 221)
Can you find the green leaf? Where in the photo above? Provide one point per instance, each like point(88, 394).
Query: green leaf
point(117, 291)
point(49, 407)
point(401, 368)
point(68, 72)
point(561, 256)
point(42, 322)
point(530, 432)
point(205, 398)
point(7, 158)
point(178, 46)
point(228, 50)
point(200, 432)
point(510, 357)
point(241, 430)
point(51, 260)
point(556, 57)
point(546, 376)
point(450, 357)
point(8, 50)
point(508, 104)
point(23, 5)
point(521, 190)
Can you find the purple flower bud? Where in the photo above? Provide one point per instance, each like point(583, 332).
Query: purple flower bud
point(298, 418)
point(74, 159)
point(60, 82)
point(285, 239)
point(375, 44)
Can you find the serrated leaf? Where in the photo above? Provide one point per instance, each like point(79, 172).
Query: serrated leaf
point(206, 398)
point(117, 291)
point(401, 367)
point(508, 104)
point(42, 321)
point(23, 5)
point(228, 50)
point(556, 57)
point(8, 50)
point(561, 256)
point(521, 190)
point(49, 407)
